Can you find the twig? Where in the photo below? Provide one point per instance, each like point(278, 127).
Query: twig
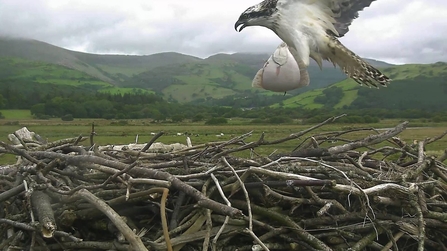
point(297, 202)
point(164, 221)
point(257, 240)
point(209, 221)
point(147, 172)
point(134, 240)
point(92, 134)
point(41, 203)
point(222, 194)
point(12, 192)
point(241, 183)
point(148, 145)
point(370, 140)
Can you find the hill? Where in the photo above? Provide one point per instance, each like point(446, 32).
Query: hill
point(221, 78)
point(418, 87)
point(109, 68)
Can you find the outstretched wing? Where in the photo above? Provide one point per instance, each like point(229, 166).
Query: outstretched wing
point(345, 11)
point(340, 13)
point(318, 23)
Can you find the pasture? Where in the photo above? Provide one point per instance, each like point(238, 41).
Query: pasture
point(123, 90)
point(124, 132)
point(12, 115)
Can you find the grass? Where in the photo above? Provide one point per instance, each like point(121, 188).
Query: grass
point(56, 129)
point(432, 74)
point(127, 71)
point(186, 93)
point(16, 114)
point(350, 93)
point(305, 100)
point(123, 90)
point(414, 70)
point(72, 82)
point(46, 73)
point(205, 80)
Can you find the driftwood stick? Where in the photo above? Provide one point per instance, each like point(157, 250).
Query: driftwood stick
point(150, 173)
point(156, 136)
point(247, 197)
point(164, 220)
point(299, 134)
point(41, 203)
point(92, 135)
point(89, 245)
point(286, 221)
point(367, 240)
point(261, 140)
point(134, 240)
point(337, 191)
point(222, 228)
point(28, 227)
point(370, 140)
point(12, 192)
point(191, 237)
point(19, 152)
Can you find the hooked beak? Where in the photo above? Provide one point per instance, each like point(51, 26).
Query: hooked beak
point(239, 23)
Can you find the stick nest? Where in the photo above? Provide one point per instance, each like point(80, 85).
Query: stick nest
point(374, 193)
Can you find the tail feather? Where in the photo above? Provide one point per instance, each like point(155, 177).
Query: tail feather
point(354, 66)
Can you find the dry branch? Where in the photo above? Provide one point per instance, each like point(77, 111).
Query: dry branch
point(356, 195)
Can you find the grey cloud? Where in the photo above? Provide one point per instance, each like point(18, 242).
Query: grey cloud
point(33, 19)
point(139, 27)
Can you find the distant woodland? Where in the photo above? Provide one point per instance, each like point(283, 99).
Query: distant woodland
point(48, 101)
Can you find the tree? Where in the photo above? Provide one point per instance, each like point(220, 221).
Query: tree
point(279, 120)
point(67, 117)
point(38, 110)
point(198, 117)
point(177, 118)
point(2, 101)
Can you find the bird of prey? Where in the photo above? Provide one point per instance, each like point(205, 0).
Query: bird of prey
point(311, 29)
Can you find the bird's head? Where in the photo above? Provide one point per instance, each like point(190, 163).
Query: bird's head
point(257, 15)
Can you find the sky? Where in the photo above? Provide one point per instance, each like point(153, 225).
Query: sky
point(395, 31)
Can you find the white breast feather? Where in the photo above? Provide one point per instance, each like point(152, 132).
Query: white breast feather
point(303, 25)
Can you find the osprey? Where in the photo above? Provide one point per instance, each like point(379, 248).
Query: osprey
point(311, 29)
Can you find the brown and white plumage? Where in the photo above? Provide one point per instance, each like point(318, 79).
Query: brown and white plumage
point(311, 29)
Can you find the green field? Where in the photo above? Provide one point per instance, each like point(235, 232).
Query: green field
point(110, 133)
point(16, 114)
point(123, 90)
point(416, 70)
point(46, 73)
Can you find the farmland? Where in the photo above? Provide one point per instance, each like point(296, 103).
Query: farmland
point(125, 131)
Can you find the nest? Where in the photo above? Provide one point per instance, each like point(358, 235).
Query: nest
point(374, 193)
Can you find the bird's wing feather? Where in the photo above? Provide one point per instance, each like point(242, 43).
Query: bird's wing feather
point(345, 11)
point(341, 13)
point(303, 25)
point(310, 28)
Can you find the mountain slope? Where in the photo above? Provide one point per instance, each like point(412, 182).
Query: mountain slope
point(176, 76)
point(12, 69)
point(109, 68)
point(413, 87)
point(219, 76)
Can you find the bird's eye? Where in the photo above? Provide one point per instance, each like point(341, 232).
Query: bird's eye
point(261, 13)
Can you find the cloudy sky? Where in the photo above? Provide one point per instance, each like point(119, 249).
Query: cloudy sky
point(397, 31)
